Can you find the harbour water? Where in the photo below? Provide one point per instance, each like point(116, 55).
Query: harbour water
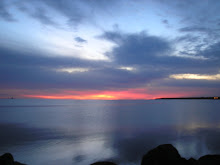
point(81, 132)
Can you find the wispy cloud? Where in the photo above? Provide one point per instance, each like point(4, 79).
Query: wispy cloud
point(4, 12)
point(80, 40)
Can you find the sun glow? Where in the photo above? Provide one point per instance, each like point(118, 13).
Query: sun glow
point(103, 97)
point(83, 97)
point(94, 95)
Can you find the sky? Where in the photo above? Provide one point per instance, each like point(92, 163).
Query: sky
point(109, 49)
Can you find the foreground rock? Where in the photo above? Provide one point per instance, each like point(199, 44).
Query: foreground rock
point(163, 154)
point(209, 159)
point(166, 154)
point(7, 159)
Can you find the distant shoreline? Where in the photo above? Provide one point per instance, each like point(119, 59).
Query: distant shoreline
point(210, 98)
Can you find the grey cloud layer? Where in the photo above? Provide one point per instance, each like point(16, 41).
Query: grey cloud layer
point(148, 54)
point(34, 71)
point(143, 49)
point(137, 48)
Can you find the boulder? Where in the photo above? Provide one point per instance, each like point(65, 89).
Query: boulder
point(163, 155)
point(7, 159)
point(192, 161)
point(209, 160)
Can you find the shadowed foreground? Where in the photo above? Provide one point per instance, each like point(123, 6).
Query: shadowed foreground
point(161, 155)
point(7, 159)
point(167, 154)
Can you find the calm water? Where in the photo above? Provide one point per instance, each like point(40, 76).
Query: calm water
point(71, 132)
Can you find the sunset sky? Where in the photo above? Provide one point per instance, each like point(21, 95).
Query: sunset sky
point(109, 49)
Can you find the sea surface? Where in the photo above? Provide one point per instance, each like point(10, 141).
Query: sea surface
point(80, 132)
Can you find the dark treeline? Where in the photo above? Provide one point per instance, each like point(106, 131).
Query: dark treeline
point(211, 98)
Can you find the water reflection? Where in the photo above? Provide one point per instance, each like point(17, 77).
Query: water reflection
point(120, 146)
point(84, 132)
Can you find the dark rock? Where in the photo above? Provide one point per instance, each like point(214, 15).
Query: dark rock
point(103, 163)
point(209, 160)
point(163, 155)
point(182, 161)
point(192, 161)
point(7, 159)
point(167, 154)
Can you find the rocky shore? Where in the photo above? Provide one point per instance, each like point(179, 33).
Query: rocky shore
point(7, 159)
point(164, 154)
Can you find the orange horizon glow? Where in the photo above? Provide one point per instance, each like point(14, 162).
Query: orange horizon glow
point(106, 95)
point(128, 94)
point(135, 94)
point(92, 97)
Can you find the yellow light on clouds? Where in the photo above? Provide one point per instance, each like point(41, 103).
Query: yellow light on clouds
point(127, 68)
point(72, 70)
point(196, 76)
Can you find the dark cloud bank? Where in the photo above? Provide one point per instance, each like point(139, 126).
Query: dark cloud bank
point(150, 55)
